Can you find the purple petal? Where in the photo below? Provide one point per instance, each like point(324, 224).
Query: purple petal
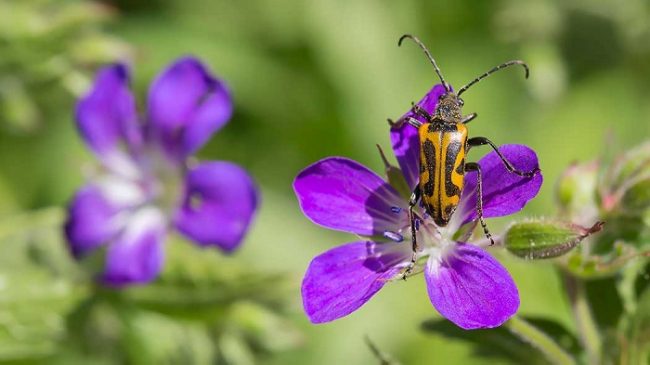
point(219, 203)
point(341, 194)
point(405, 140)
point(91, 221)
point(137, 255)
point(504, 193)
point(342, 279)
point(106, 116)
point(213, 114)
point(187, 105)
point(470, 288)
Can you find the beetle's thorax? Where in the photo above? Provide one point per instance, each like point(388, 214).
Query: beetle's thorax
point(449, 109)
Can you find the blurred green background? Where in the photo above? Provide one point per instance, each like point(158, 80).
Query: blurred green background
point(319, 78)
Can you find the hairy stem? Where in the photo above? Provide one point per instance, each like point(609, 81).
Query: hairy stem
point(584, 320)
point(540, 340)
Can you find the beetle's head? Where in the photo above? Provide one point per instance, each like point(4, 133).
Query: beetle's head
point(449, 108)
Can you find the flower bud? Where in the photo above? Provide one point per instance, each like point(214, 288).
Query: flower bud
point(629, 182)
point(540, 239)
point(636, 198)
point(576, 190)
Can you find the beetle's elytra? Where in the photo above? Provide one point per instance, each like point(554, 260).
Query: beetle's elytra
point(442, 168)
point(444, 144)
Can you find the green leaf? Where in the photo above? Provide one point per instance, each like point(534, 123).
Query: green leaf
point(500, 343)
point(36, 286)
point(265, 329)
point(545, 239)
point(152, 338)
point(642, 282)
point(203, 286)
point(241, 309)
point(606, 303)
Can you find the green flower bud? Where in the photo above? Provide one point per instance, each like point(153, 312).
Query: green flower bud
point(636, 198)
point(542, 239)
point(575, 191)
point(628, 182)
point(631, 165)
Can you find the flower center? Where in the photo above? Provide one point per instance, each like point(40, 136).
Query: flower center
point(432, 240)
point(162, 180)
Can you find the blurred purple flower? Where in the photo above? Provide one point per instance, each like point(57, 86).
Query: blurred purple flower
point(146, 186)
point(465, 283)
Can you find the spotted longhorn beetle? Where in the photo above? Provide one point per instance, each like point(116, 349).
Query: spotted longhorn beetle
point(444, 144)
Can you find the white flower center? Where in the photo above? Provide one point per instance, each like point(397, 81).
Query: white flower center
point(434, 242)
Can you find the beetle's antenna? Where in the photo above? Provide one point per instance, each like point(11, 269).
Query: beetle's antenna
point(426, 51)
point(495, 69)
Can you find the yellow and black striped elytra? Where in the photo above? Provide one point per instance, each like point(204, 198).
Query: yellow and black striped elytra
point(442, 168)
point(444, 144)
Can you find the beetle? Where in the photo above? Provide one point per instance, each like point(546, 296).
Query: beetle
point(444, 143)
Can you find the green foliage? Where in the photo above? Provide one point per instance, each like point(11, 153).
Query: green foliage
point(37, 287)
point(501, 343)
point(205, 309)
point(47, 47)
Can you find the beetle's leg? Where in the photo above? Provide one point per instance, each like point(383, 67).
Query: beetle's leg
point(414, 122)
point(480, 141)
point(468, 118)
point(473, 166)
point(415, 197)
point(418, 110)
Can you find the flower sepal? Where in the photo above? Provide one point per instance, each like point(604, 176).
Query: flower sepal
point(544, 239)
point(395, 176)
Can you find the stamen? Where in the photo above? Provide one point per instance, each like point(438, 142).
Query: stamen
point(393, 236)
point(396, 210)
point(417, 224)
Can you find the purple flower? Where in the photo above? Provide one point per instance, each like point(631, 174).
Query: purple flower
point(465, 283)
point(146, 185)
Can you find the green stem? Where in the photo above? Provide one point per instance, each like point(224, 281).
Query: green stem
point(584, 319)
point(540, 340)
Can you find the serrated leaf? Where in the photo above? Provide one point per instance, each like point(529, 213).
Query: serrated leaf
point(545, 239)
